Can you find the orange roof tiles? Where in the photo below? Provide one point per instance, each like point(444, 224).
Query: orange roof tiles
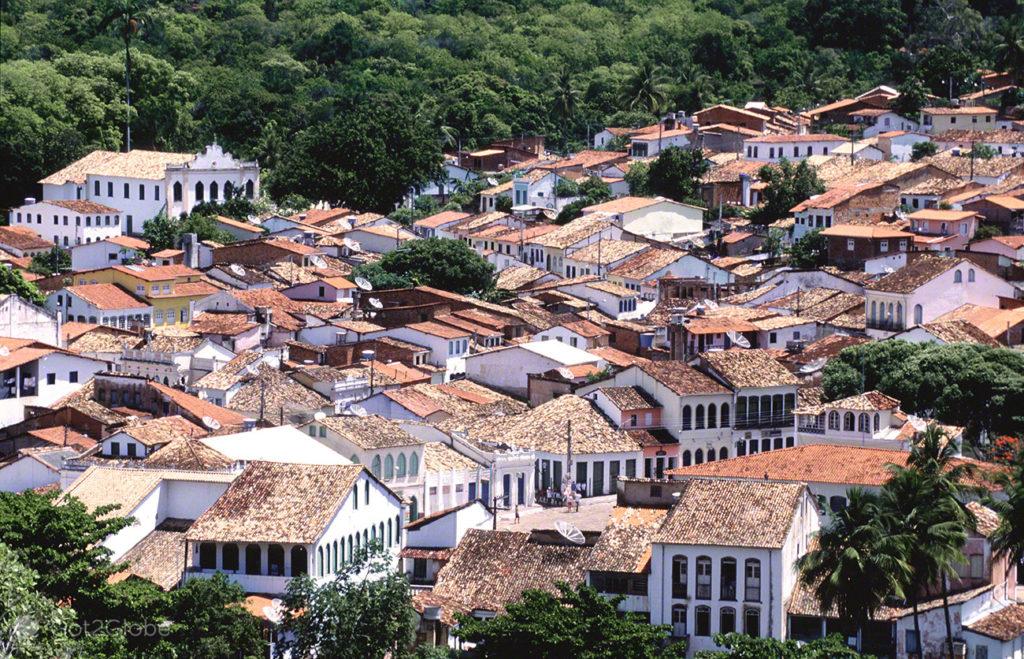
point(107, 296)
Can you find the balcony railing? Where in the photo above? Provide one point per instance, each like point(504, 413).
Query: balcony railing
point(250, 583)
point(728, 591)
point(813, 430)
point(763, 421)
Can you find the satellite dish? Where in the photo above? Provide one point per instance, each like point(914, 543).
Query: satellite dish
point(710, 304)
point(358, 410)
point(237, 269)
point(570, 532)
point(350, 244)
point(812, 366)
point(889, 269)
point(566, 373)
point(375, 303)
point(211, 423)
point(738, 339)
point(364, 283)
point(492, 181)
point(4, 351)
point(319, 416)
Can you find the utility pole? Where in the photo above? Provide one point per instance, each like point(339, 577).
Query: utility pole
point(568, 455)
point(972, 160)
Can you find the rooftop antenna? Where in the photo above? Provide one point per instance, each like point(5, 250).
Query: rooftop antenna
point(570, 532)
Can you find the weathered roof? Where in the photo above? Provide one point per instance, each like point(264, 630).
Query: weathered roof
point(732, 513)
point(958, 331)
point(370, 432)
point(629, 398)
point(275, 393)
point(869, 401)
point(682, 378)
point(520, 276)
point(231, 373)
point(162, 430)
point(875, 231)
point(913, 275)
point(136, 163)
point(441, 457)
point(173, 340)
point(749, 368)
point(225, 324)
point(491, 569)
point(185, 453)
point(1005, 625)
point(277, 502)
point(160, 556)
point(197, 407)
point(646, 264)
point(127, 487)
point(625, 543)
point(575, 231)
point(603, 252)
point(22, 238)
point(440, 219)
point(107, 296)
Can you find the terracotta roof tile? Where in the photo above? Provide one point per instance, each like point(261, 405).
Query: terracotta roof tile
point(749, 368)
point(914, 274)
point(370, 432)
point(22, 238)
point(1006, 624)
point(625, 543)
point(107, 296)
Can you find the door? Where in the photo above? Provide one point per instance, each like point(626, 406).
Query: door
point(506, 490)
point(613, 473)
point(485, 492)
point(598, 478)
point(472, 491)
point(521, 489)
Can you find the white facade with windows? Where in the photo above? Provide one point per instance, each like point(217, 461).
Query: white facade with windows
point(67, 223)
point(773, 148)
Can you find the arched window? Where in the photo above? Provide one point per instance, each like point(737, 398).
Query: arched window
point(703, 578)
point(319, 562)
point(275, 560)
point(702, 621)
point(355, 497)
point(389, 533)
point(687, 459)
point(698, 456)
point(248, 189)
point(848, 422)
point(389, 468)
point(958, 277)
point(726, 620)
point(836, 503)
point(337, 558)
point(253, 559)
point(229, 190)
point(177, 191)
point(366, 492)
point(863, 423)
point(687, 418)
point(208, 556)
point(727, 580)
point(354, 459)
point(351, 549)
point(229, 557)
point(401, 465)
point(877, 422)
point(752, 580)
point(874, 310)
point(327, 559)
point(380, 533)
point(359, 545)
point(213, 191)
point(414, 507)
point(679, 620)
point(711, 455)
point(712, 416)
point(366, 538)
point(888, 317)
point(375, 466)
point(398, 529)
point(918, 314)
point(899, 314)
point(199, 190)
point(723, 453)
point(699, 418)
point(725, 415)
point(970, 274)
point(752, 623)
point(414, 464)
point(679, 576)
point(833, 420)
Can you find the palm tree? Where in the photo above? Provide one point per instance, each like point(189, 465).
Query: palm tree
point(856, 564)
point(932, 533)
point(1009, 535)
point(1010, 50)
point(131, 17)
point(566, 97)
point(932, 459)
point(645, 89)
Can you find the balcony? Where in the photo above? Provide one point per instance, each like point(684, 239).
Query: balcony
point(251, 583)
point(764, 421)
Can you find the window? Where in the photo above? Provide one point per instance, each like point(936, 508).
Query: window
point(772, 338)
point(958, 277)
point(51, 378)
point(401, 466)
point(850, 245)
point(253, 559)
point(752, 623)
point(115, 449)
point(73, 376)
point(700, 417)
point(679, 570)
point(703, 578)
point(727, 620)
point(836, 503)
point(752, 586)
point(883, 246)
point(213, 191)
point(389, 468)
point(632, 420)
point(355, 496)
point(208, 556)
point(678, 620)
point(712, 416)
point(199, 191)
point(156, 192)
point(725, 415)
point(96, 188)
point(970, 275)
point(110, 189)
point(687, 422)
point(863, 423)
point(981, 651)
point(142, 191)
point(702, 621)
point(177, 192)
point(727, 585)
point(414, 464)
point(127, 191)
point(229, 557)
point(366, 493)
point(912, 646)
point(977, 566)
point(848, 422)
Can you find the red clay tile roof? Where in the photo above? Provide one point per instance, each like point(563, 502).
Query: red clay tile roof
point(107, 296)
point(22, 238)
point(1005, 625)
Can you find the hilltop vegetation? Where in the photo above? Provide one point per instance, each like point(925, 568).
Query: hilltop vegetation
point(354, 99)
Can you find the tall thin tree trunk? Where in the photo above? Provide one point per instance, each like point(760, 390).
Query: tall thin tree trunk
point(949, 622)
point(128, 93)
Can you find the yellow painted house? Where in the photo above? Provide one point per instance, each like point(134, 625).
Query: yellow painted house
point(170, 289)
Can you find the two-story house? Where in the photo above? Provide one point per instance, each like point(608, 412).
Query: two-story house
point(104, 304)
point(169, 289)
point(764, 397)
point(858, 203)
point(926, 288)
point(850, 245)
point(278, 520)
point(773, 148)
point(939, 230)
point(448, 345)
point(115, 250)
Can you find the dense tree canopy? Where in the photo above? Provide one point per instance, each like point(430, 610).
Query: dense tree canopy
point(964, 384)
point(305, 86)
point(439, 262)
point(786, 186)
point(577, 622)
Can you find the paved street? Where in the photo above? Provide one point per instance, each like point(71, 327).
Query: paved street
point(593, 516)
